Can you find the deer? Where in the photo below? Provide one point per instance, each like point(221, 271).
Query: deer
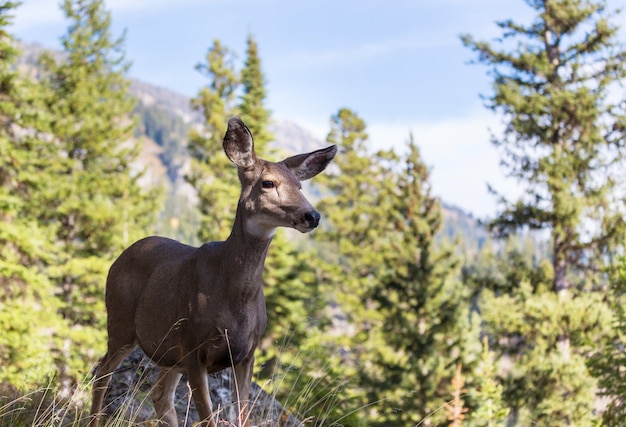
point(199, 310)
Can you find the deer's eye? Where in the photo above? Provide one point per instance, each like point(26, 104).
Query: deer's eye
point(268, 184)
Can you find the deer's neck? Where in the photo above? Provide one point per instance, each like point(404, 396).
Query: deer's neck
point(247, 249)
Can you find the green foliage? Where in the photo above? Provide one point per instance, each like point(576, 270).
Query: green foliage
point(368, 324)
point(542, 338)
point(352, 250)
point(92, 199)
point(564, 142)
point(564, 139)
point(291, 283)
point(608, 362)
point(424, 307)
point(398, 291)
point(490, 408)
point(252, 107)
point(27, 307)
point(212, 174)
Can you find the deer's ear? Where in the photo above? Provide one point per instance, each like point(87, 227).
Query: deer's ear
point(239, 145)
point(305, 166)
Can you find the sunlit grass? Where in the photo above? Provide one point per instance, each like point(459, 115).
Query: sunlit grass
point(310, 398)
point(45, 407)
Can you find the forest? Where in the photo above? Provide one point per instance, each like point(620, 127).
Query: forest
point(374, 319)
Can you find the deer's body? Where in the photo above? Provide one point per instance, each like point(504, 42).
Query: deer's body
point(200, 310)
point(199, 314)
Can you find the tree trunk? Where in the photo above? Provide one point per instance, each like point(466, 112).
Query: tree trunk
point(561, 284)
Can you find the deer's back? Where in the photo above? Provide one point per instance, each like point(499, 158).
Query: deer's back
point(131, 272)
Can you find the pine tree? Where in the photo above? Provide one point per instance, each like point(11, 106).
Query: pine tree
point(424, 307)
point(564, 142)
point(290, 283)
point(350, 253)
point(252, 108)
point(545, 379)
point(212, 174)
point(93, 199)
point(353, 210)
point(487, 394)
point(26, 315)
point(564, 136)
point(607, 363)
point(396, 292)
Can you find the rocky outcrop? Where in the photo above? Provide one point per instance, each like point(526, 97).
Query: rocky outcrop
point(128, 397)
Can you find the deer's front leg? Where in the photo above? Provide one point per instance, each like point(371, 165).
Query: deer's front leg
point(198, 381)
point(243, 377)
point(163, 394)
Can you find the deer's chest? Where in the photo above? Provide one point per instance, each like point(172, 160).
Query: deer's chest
point(225, 332)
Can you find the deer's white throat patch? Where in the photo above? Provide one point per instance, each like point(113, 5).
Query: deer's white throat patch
point(256, 228)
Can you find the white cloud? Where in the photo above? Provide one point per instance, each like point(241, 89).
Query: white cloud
point(360, 53)
point(460, 155)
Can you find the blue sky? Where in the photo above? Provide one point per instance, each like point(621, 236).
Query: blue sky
point(398, 63)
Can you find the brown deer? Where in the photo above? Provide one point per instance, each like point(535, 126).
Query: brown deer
point(200, 310)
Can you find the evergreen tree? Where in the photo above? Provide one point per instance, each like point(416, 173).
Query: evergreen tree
point(545, 379)
point(252, 108)
point(290, 282)
point(212, 174)
point(490, 410)
point(353, 211)
point(93, 198)
point(405, 312)
point(27, 315)
point(607, 364)
point(351, 251)
point(564, 137)
point(564, 142)
point(423, 305)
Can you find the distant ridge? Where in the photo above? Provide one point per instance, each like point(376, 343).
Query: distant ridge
point(166, 99)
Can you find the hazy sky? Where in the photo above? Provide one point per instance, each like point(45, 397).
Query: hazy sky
point(398, 63)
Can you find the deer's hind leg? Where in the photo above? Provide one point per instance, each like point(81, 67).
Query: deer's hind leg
point(115, 354)
point(162, 395)
point(121, 341)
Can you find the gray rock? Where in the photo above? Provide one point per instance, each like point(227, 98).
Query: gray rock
point(128, 397)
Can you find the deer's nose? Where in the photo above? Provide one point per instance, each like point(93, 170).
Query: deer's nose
point(313, 218)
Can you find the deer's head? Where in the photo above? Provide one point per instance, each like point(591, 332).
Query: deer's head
point(271, 194)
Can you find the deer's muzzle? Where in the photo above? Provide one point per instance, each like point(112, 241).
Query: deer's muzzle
point(312, 218)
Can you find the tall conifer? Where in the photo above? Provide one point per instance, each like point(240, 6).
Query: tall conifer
point(564, 142)
point(252, 107)
point(27, 307)
point(424, 307)
point(352, 251)
point(405, 316)
point(95, 201)
point(212, 175)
